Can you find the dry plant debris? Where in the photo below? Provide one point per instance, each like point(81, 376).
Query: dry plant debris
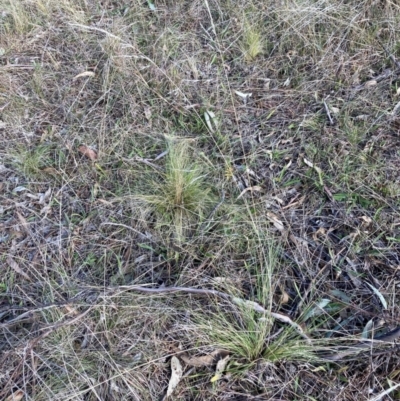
point(176, 375)
point(218, 174)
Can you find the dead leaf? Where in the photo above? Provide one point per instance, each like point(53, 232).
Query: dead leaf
point(3, 168)
point(370, 83)
point(198, 361)
point(367, 220)
point(254, 188)
point(396, 109)
point(205, 360)
point(379, 294)
point(176, 375)
point(362, 117)
point(23, 222)
point(104, 202)
point(147, 113)
point(279, 200)
point(71, 310)
point(88, 152)
point(293, 203)
point(51, 171)
point(20, 188)
point(84, 74)
point(312, 165)
point(16, 396)
point(219, 280)
point(284, 298)
point(44, 197)
point(14, 265)
point(274, 219)
point(243, 96)
point(46, 209)
point(321, 232)
point(368, 329)
point(219, 370)
point(211, 121)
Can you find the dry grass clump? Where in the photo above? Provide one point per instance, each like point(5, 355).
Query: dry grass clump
point(245, 150)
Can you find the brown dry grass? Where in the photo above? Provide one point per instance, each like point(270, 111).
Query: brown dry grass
point(288, 198)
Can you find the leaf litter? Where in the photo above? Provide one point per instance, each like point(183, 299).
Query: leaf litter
point(176, 375)
point(88, 152)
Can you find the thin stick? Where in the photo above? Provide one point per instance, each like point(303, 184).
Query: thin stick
point(238, 301)
point(328, 113)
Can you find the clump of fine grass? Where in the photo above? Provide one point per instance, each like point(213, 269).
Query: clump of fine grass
point(16, 18)
point(179, 195)
point(32, 161)
point(252, 45)
point(120, 348)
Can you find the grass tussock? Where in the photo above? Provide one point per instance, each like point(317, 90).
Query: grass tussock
point(244, 153)
point(180, 194)
point(252, 45)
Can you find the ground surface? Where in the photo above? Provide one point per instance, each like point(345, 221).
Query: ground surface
point(246, 147)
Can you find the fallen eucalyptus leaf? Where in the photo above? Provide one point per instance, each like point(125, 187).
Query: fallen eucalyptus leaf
point(176, 375)
point(318, 309)
point(317, 169)
point(151, 5)
point(14, 265)
point(219, 370)
point(367, 329)
point(211, 121)
point(380, 296)
point(88, 152)
point(147, 113)
point(19, 189)
point(51, 171)
point(340, 295)
point(277, 223)
point(44, 197)
point(84, 74)
point(254, 188)
point(16, 396)
point(312, 165)
point(370, 83)
point(396, 109)
point(204, 360)
point(244, 96)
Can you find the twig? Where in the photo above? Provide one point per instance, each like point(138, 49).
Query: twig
point(238, 301)
point(328, 113)
point(165, 290)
